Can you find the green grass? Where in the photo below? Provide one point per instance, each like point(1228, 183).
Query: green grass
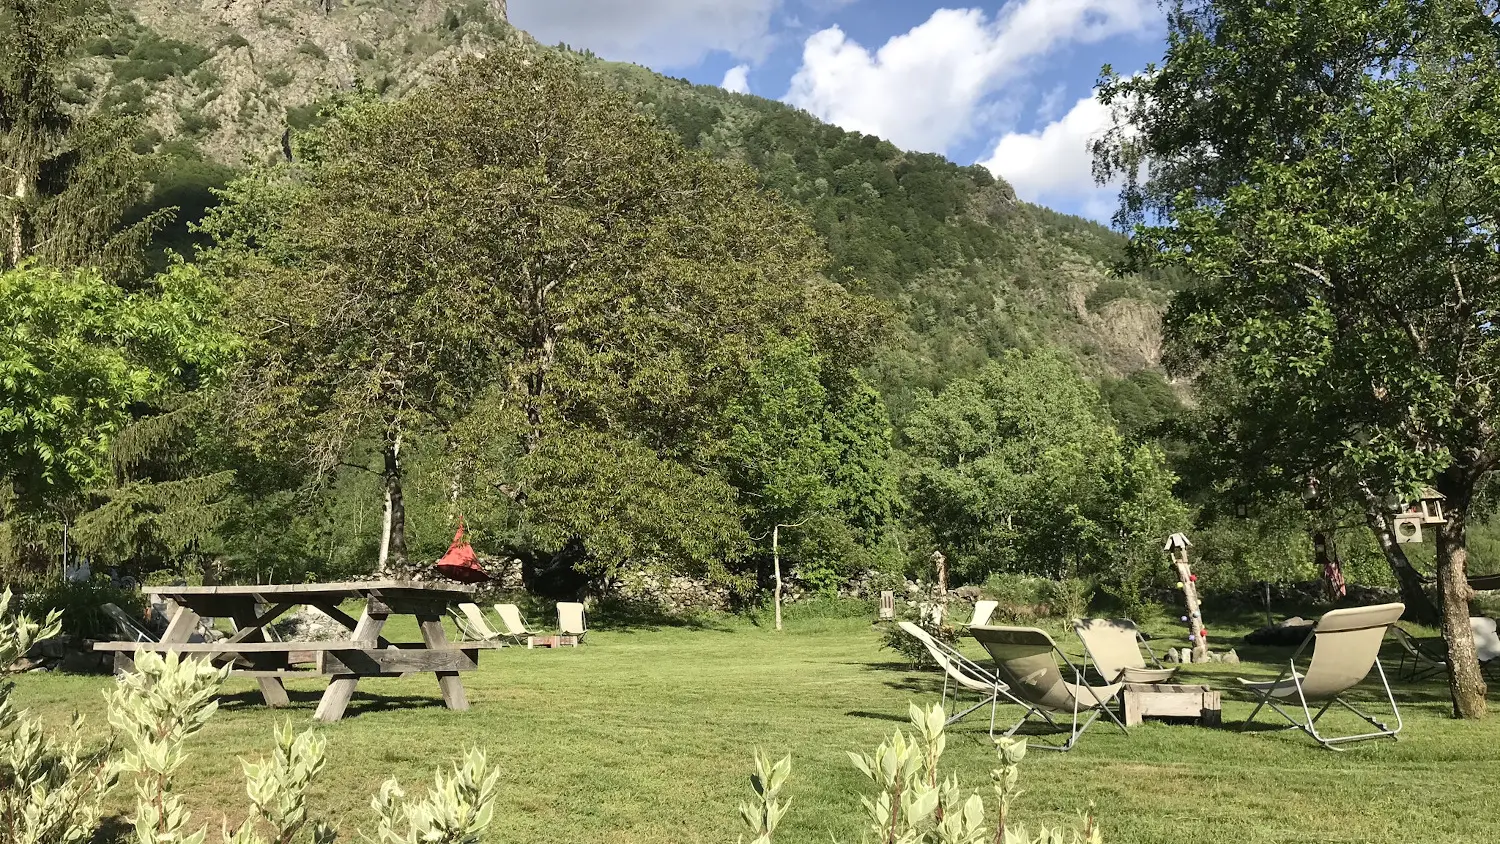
point(645, 735)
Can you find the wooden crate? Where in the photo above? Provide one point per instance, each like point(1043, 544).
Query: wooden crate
point(552, 641)
point(1165, 700)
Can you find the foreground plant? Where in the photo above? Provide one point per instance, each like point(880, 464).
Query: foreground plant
point(912, 804)
point(51, 790)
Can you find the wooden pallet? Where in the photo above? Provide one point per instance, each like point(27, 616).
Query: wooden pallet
point(1164, 700)
point(551, 641)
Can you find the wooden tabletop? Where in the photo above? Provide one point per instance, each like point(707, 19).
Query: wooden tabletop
point(352, 589)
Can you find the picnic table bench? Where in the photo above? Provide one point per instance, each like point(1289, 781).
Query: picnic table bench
point(365, 653)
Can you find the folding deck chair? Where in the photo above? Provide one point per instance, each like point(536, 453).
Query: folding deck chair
point(515, 626)
point(1420, 658)
point(1346, 644)
point(982, 612)
point(472, 623)
point(1027, 661)
point(130, 631)
point(1114, 647)
point(960, 672)
point(572, 620)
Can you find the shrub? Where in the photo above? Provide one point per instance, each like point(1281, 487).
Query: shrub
point(1070, 597)
point(206, 79)
point(83, 82)
point(363, 51)
point(80, 606)
point(52, 790)
point(279, 78)
point(913, 803)
point(193, 122)
point(233, 41)
point(308, 48)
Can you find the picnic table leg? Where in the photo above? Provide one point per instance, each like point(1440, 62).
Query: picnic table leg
point(448, 681)
point(341, 688)
point(181, 626)
point(271, 688)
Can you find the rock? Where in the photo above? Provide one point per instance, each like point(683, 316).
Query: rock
point(1172, 656)
point(85, 662)
point(1187, 656)
point(54, 648)
point(310, 625)
point(1232, 658)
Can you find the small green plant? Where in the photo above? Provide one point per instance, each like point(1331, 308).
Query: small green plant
point(279, 78)
point(79, 604)
point(1070, 597)
point(763, 814)
point(363, 51)
point(912, 802)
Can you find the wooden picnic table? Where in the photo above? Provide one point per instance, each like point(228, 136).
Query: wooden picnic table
point(365, 653)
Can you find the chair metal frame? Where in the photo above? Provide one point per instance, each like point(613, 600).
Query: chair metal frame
point(1310, 723)
point(1074, 728)
point(975, 672)
point(1423, 664)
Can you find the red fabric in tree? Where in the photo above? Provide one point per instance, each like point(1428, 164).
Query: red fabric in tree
point(461, 563)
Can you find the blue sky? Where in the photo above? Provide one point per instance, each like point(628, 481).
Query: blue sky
point(1005, 83)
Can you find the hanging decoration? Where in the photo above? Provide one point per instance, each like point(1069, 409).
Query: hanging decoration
point(461, 563)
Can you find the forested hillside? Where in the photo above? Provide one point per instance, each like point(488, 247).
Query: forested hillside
point(911, 419)
point(968, 269)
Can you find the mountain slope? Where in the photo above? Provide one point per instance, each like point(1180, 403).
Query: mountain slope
point(970, 269)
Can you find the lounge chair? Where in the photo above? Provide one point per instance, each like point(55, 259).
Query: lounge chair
point(1345, 645)
point(1114, 646)
point(472, 624)
point(1420, 658)
point(1425, 658)
point(130, 630)
point(982, 612)
point(960, 672)
point(1487, 645)
point(1027, 662)
point(572, 620)
point(515, 626)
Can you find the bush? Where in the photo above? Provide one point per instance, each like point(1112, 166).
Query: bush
point(1069, 598)
point(193, 122)
point(81, 606)
point(913, 803)
point(308, 48)
point(233, 41)
point(363, 51)
point(279, 78)
point(53, 789)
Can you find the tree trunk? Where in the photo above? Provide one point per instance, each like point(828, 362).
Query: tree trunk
point(18, 221)
point(776, 563)
point(1419, 606)
point(393, 544)
point(1465, 682)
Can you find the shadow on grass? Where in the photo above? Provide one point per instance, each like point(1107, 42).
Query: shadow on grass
point(634, 617)
point(360, 704)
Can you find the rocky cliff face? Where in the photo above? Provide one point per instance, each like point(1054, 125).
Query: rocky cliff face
point(230, 75)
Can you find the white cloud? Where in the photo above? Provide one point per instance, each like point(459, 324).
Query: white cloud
point(1055, 162)
point(928, 88)
point(660, 33)
point(737, 79)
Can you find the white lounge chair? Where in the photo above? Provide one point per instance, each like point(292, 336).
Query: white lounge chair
point(1346, 644)
point(982, 612)
point(1114, 646)
point(572, 620)
point(472, 623)
point(960, 672)
point(1026, 659)
point(515, 626)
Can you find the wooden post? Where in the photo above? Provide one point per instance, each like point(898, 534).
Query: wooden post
point(1177, 545)
point(776, 560)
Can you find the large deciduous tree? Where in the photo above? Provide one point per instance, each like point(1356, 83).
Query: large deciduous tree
point(79, 358)
point(517, 257)
point(1330, 172)
point(1020, 469)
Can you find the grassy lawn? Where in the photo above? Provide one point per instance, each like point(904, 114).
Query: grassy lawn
point(645, 735)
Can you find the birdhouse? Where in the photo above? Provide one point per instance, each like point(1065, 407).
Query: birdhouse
point(1176, 547)
point(1431, 506)
point(1408, 528)
point(1312, 498)
point(1241, 510)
